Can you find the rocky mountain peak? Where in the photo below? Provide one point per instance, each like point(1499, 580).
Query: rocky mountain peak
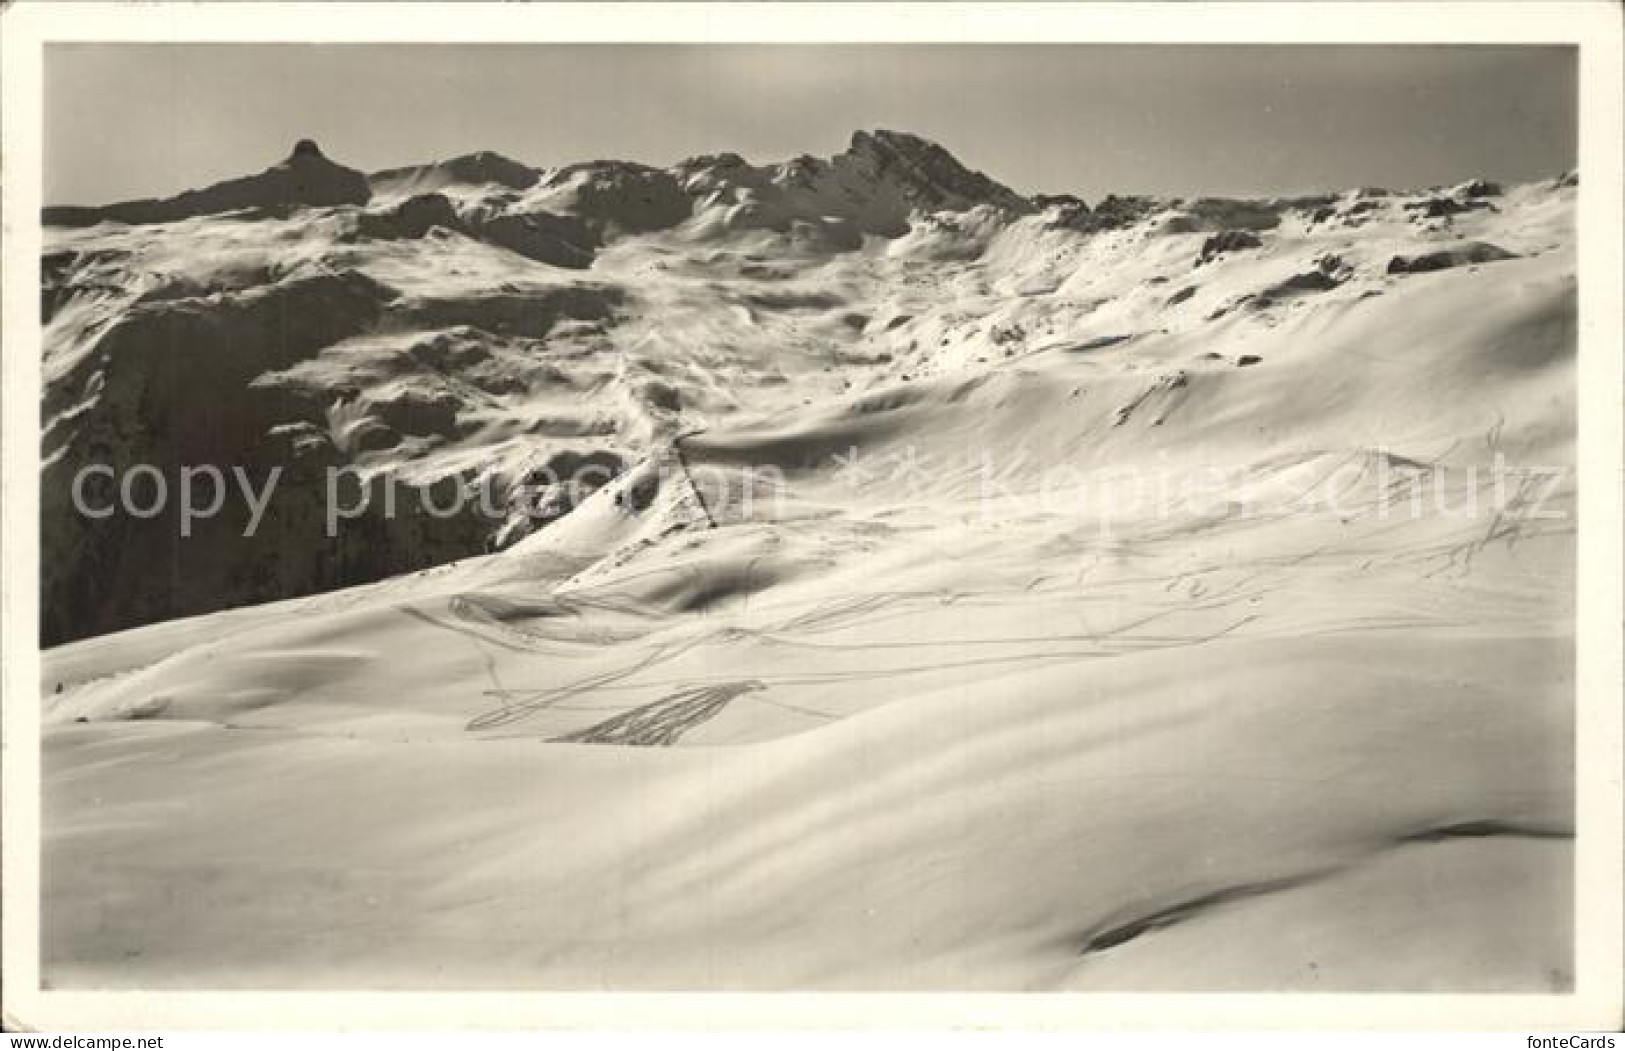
point(306, 178)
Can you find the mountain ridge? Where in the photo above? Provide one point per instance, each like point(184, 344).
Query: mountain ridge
point(479, 318)
point(824, 574)
point(922, 162)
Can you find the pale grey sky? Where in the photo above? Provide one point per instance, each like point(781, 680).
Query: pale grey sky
point(136, 120)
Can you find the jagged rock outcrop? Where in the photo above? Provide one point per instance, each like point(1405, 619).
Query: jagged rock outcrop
point(1114, 211)
point(1223, 213)
point(560, 240)
point(234, 381)
point(412, 218)
point(1479, 188)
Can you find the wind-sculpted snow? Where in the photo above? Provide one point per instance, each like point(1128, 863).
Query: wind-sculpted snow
point(883, 580)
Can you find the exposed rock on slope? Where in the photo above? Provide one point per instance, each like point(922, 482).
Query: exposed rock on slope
point(1462, 254)
point(464, 323)
point(305, 178)
point(412, 218)
point(1228, 241)
point(974, 543)
point(249, 378)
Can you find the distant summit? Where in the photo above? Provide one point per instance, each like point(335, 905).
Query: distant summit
point(305, 178)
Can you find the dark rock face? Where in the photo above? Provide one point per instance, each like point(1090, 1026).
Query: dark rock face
point(227, 363)
point(524, 314)
point(1330, 271)
point(305, 179)
point(560, 240)
point(1114, 212)
point(187, 382)
point(882, 185)
point(416, 216)
point(169, 385)
point(554, 488)
point(1438, 207)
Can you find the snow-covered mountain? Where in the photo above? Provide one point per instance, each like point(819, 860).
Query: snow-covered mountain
point(1132, 594)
